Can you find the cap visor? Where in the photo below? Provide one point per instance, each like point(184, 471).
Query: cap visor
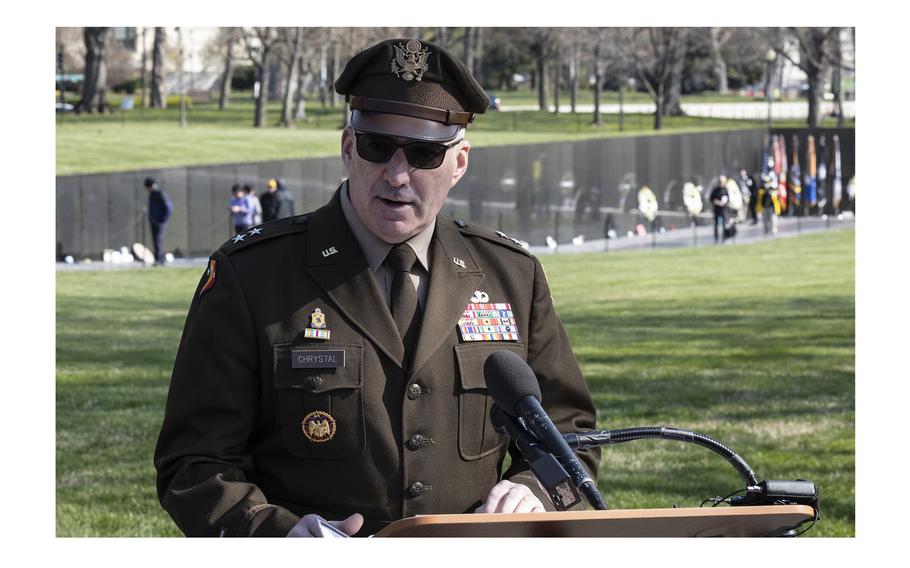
point(403, 126)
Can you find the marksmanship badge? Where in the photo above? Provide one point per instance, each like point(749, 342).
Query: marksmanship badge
point(410, 60)
point(318, 426)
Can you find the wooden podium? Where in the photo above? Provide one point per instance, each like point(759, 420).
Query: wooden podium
point(708, 521)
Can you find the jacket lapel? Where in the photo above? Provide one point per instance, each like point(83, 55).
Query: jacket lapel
point(451, 287)
point(336, 263)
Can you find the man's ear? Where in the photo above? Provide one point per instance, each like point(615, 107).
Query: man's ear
point(461, 161)
point(347, 148)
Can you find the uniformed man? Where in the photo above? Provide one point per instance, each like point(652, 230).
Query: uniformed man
point(331, 366)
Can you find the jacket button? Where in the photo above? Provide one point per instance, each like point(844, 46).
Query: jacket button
point(416, 489)
point(314, 382)
point(416, 442)
point(414, 391)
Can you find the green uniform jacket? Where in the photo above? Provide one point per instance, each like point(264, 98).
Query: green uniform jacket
point(234, 457)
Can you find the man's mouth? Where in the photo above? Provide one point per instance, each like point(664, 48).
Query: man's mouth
point(393, 202)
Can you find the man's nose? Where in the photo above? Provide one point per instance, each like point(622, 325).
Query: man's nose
point(398, 170)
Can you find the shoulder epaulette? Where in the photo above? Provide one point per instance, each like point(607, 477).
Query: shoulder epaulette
point(264, 232)
point(497, 237)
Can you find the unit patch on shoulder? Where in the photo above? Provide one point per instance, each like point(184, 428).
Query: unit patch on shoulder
point(210, 273)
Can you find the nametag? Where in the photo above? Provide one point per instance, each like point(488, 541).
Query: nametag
point(320, 359)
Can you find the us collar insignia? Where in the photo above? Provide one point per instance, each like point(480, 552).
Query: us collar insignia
point(318, 426)
point(410, 60)
point(317, 328)
point(210, 281)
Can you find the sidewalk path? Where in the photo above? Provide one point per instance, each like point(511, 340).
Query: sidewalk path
point(679, 238)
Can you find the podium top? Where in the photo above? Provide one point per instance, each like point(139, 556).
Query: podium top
point(688, 522)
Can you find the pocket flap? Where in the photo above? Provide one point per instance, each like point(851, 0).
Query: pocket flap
point(318, 367)
point(472, 356)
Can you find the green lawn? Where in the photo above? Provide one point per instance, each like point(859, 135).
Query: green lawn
point(750, 344)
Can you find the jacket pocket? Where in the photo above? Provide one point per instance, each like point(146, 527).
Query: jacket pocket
point(319, 388)
point(476, 436)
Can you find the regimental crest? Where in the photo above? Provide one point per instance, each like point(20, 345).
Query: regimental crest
point(317, 319)
point(318, 426)
point(410, 61)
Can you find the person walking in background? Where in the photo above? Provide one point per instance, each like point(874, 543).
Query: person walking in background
point(768, 205)
point(748, 189)
point(241, 212)
point(255, 205)
point(159, 211)
point(719, 198)
point(277, 203)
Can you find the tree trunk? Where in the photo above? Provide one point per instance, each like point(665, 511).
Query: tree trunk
point(718, 65)
point(573, 77)
point(477, 70)
point(598, 87)
point(336, 70)
point(836, 86)
point(289, 80)
point(94, 84)
point(816, 85)
point(143, 88)
point(468, 48)
point(659, 112)
point(158, 98)
point(673, 88)
point(300, 102)
point(226, 76)
point(265, 79)
point(557, 67)
point(541, 82)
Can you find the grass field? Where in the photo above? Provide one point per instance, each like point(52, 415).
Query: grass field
point(750, 344)
point(152, 138)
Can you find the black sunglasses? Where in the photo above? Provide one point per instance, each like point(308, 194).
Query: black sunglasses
point(420, 154)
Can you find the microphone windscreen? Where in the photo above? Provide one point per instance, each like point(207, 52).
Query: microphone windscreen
point(509, 379)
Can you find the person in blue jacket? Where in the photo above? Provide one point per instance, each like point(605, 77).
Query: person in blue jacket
point(159, 211)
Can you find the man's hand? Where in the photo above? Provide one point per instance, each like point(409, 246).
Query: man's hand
point(508, 497)
point(308, 525)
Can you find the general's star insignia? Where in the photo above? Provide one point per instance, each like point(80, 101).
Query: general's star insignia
point(237, 238)
point(255, 231)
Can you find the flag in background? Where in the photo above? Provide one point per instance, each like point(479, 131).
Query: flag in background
point(822, 172)
point(782, 179)
point(796, 190)
point(811, 196)
point(767, 157)
point(838, 189)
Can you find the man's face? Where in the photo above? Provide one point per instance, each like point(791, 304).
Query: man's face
point(394, 200)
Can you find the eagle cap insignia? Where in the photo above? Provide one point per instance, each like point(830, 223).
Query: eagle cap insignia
point(318, 426)
point(410, 60)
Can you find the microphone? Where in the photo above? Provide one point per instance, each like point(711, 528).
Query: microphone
point(551, 475)
point(514, 387)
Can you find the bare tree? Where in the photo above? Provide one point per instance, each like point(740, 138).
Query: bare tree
point(540, 43)
point(259, 45)
point(658, 55)
point(94, 90)
point(292, 41)
point(717, 39)
point(158, 99)
point(228, 38)
point(815, 58)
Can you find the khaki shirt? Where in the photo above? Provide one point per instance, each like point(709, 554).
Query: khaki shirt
point(375, 251)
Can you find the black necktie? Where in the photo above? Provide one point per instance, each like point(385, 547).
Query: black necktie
point(404, 306)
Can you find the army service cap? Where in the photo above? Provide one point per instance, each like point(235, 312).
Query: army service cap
point(430, 92)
